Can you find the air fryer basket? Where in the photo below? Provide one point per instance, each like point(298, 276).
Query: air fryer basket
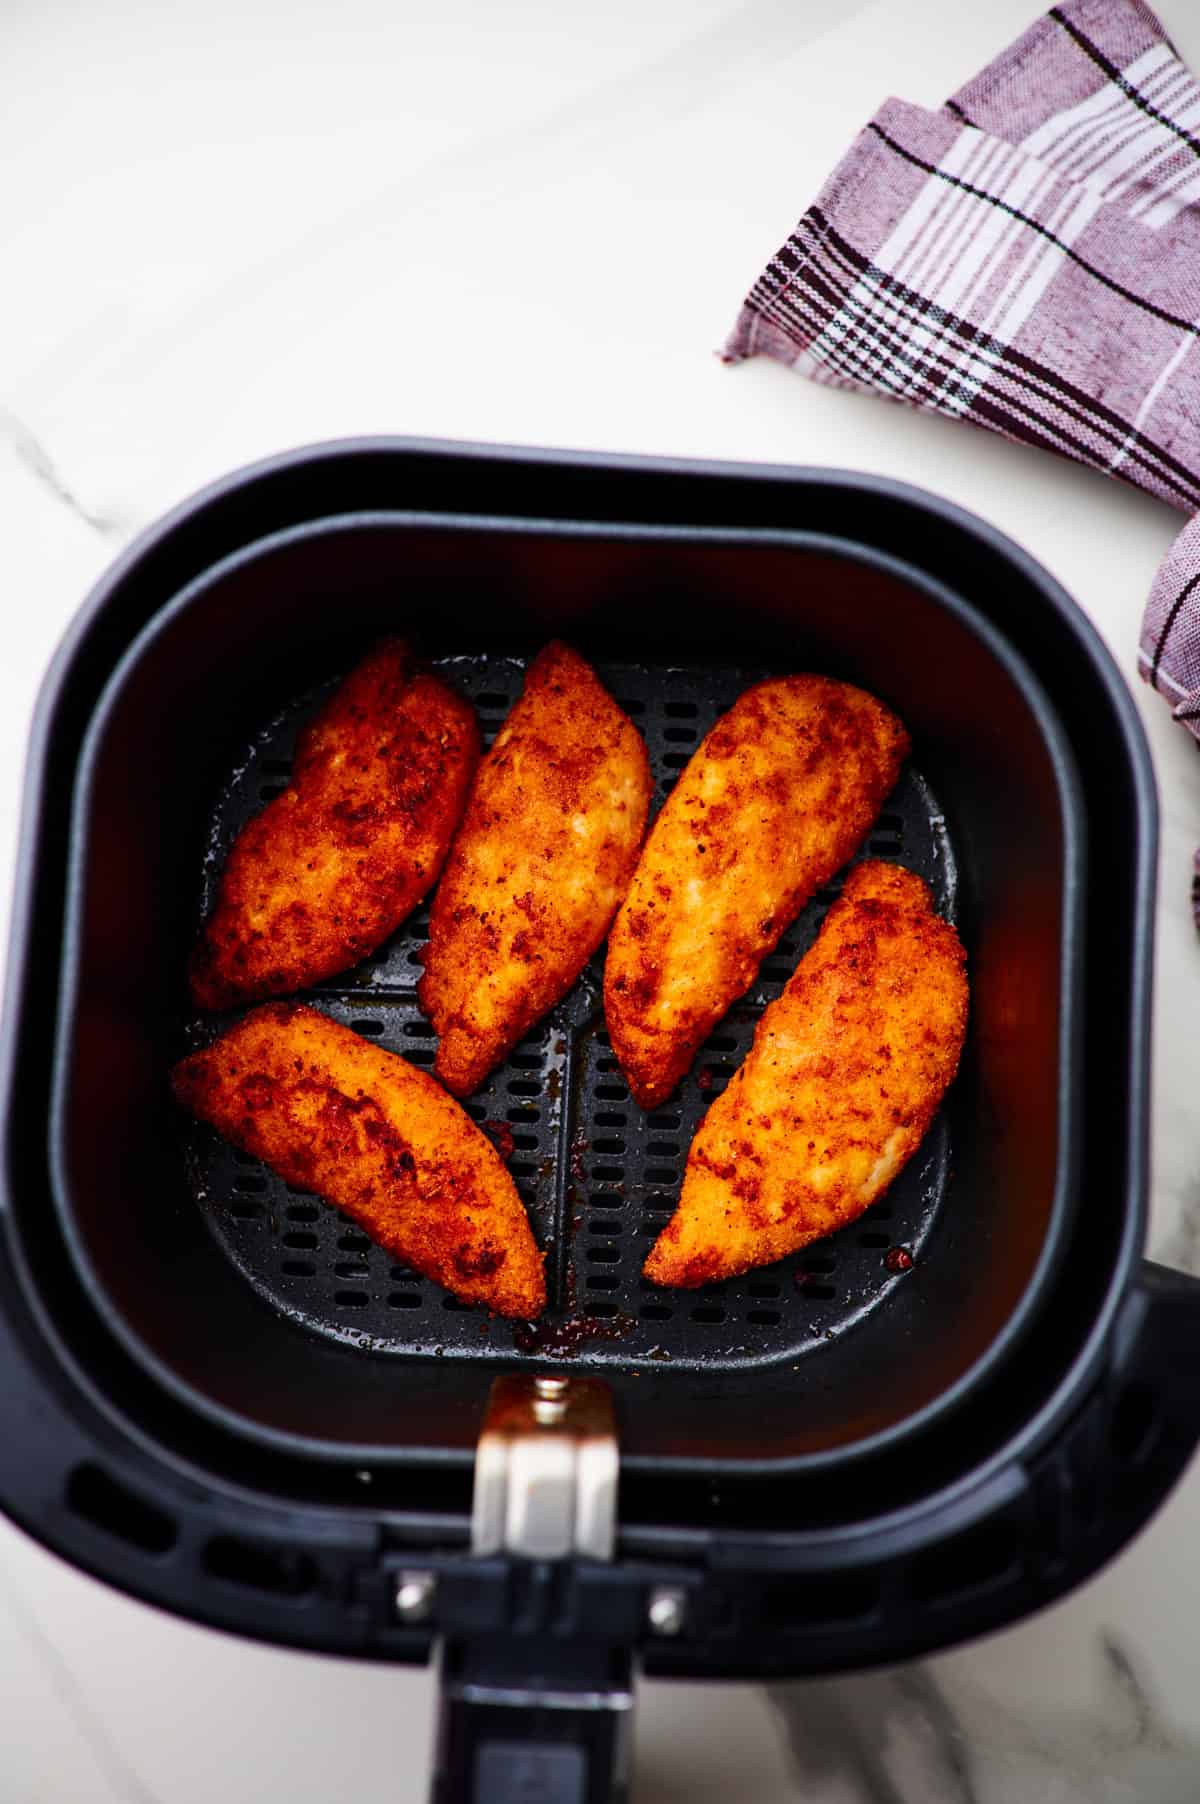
point(598, 1175)
point(980, 1432)
point(475, 594)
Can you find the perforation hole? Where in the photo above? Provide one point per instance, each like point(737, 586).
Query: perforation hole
point(404, 1299)
point(680, 735)
point(348, 1268)
point(764, 1318)
point(680, 710)
point(605, 1311)
point(524, 1087)
point(604, 1255)
point(633, 705)
point(246, 1212)
point(250, 1186)
point(417, 1030)
point(606, 1174)
point(874, 1240)
point(816, 1293)
point(660, 1174)
point(602, 1281)
point(775, 972)
point(269, 791)
point(353, 1243)
point(611, 1093)
point(676, 760)
point(420, 1055)
point(302, 1212)
point(608, 1144)
point(610, 1118)
point(351, 1299)
point(525, 1143)
point(708, 1312)
point(491, 702)
point(655, 1312)
point(760, 1288)
point(818, 1262)
point(301, 1242)
point(664, 1123)
point(454, 1305)
point(298, 1268)
point(663, 1149)
point(370, 1029)
point(277, 767)
point(605, 1224)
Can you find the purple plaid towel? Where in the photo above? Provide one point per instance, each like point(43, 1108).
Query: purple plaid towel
point(1027, 258)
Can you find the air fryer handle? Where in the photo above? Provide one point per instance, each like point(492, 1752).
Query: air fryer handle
point(514, 1728)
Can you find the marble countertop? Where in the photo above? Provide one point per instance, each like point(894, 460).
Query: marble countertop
point(236, 227)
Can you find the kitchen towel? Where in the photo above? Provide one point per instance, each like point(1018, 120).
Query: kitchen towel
point(1027, 258)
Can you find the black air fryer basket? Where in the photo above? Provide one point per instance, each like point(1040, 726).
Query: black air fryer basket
point(222, 1397)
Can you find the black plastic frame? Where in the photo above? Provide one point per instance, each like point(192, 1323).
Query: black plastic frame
point(739, 1428)
point(1051, 1472)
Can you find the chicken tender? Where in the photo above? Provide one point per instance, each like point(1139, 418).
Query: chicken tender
point(772, 803)
point(330, 1112)
point(837, 1092)
point(545, 851)
point(332, 866)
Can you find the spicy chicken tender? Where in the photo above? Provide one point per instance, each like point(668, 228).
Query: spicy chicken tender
point(332, 1113)
point(837, 1092)
point(332, 866)
point(771, 804)
point(540, 863)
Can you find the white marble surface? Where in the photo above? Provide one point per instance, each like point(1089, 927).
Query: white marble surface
point(232, 227)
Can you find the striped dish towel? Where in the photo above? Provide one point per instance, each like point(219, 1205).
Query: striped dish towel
point(1027, 258)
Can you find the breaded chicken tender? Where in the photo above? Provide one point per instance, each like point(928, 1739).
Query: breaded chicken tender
point(837, 1092)
point(332, 866)
point(539, 866)
point(332, 1113)
point(771, 804)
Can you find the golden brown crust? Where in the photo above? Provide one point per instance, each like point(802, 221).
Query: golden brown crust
point(837, 1092)
point(539, 865)
point(772, 803)
point(332, 866)
point(334, 1114)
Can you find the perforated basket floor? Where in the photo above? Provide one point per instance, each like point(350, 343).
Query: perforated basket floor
point(598, 1176)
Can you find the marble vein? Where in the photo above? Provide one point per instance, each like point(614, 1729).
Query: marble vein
point(123, 1781)
point(1145, 1728)
point(891, 1737)
point(34, 456)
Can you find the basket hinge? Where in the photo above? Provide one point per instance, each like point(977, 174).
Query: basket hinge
point(546, 1470)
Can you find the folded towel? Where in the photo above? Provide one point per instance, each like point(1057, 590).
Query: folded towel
point(1027, 258)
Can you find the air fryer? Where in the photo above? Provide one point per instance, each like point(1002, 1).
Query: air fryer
point(226, 1399)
